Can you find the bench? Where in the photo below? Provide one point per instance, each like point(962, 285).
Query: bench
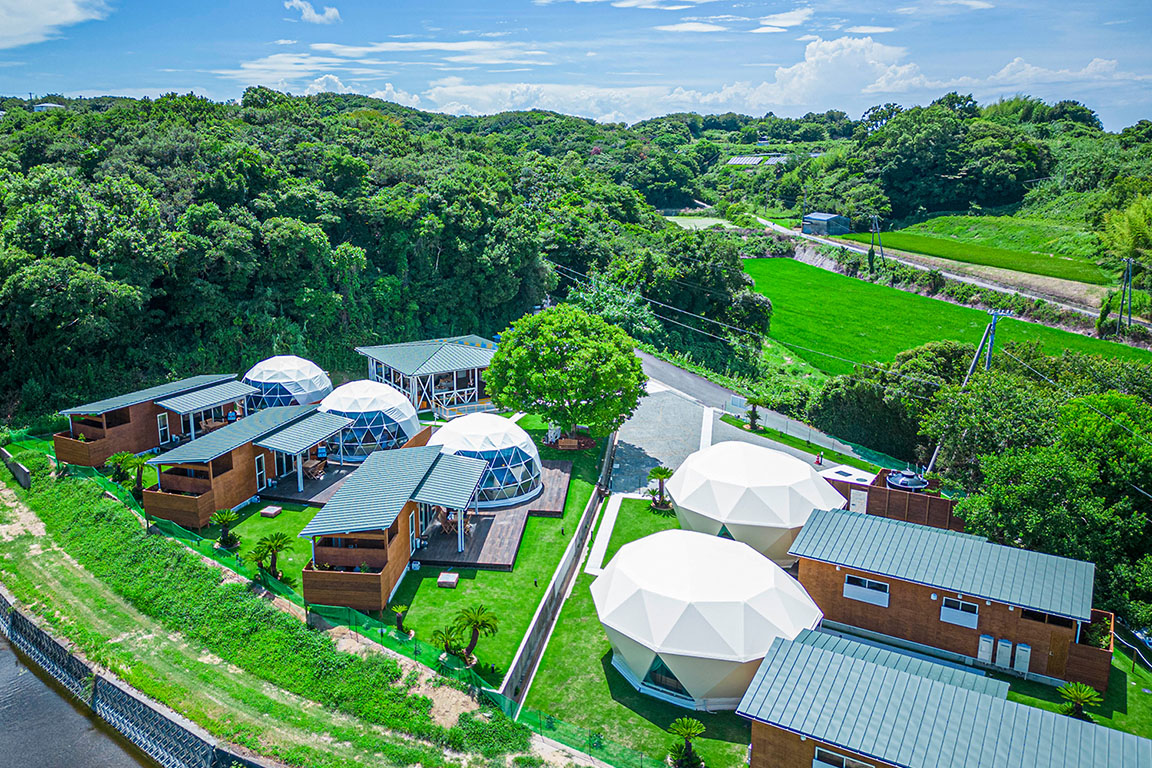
point(448, 580)
point(271, 511)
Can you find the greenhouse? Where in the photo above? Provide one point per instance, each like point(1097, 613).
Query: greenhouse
point(513, 475)
point(286, 380)
point(382, 418)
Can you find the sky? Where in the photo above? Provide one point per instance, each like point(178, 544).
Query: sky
point(612, 60)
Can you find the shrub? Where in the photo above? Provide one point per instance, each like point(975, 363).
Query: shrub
point(36, 462)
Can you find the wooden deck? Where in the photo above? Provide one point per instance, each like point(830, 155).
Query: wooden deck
point(496, 534)
point(316, 493)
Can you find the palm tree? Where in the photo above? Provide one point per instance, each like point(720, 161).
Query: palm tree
point(1077, 696)
point(125, 464)
point(276, 543)
point(660, 474)
point(447, 638)
point(687, 728)
point(226, 518)
point(755, 403)
point(477, 620)
point(400, 611)
point(259, 553)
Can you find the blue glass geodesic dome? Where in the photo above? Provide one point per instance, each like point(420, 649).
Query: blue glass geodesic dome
point(382, 418)
point(286, 380)
point(513, 474)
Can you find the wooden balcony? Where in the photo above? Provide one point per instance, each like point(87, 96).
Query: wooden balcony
point(344, 557)
point(175, 482)
point(362, 591)
point(1089, 663)
point(189, 511)
point(84, 453)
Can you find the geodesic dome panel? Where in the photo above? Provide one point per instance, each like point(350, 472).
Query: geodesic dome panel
point(707, 608)
point(757, 495)
point(286, 380)
point(382, 418)
point(513, 474)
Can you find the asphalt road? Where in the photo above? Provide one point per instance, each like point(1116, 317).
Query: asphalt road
point(696, 387)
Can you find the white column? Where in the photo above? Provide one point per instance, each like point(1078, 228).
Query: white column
point(299, 473)
point(159, 471)
point(341, 447)
point(460, 529)
point(192, 425)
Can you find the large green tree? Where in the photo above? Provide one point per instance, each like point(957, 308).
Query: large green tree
point(570, 367)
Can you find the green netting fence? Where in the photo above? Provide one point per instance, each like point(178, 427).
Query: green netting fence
point(381, 631)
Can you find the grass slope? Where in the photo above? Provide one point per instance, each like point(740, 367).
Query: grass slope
point(512, 596)
point(865, 322)
point(1014, 233)
point(970, 252)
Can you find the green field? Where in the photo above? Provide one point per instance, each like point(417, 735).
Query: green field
point(1046, 264)
point(864, 322)
point(1015, 233)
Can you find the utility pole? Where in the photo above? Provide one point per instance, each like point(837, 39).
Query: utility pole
point(967, 376)
point(1126, 290)
point(996, 315)
point(877, 238)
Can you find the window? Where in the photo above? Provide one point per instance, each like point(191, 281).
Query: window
point(826, 758)
point(959, 613)
point(411, 533)
point(1033, 615)
point(866, 590)
point(162, 427)
point(261, 476)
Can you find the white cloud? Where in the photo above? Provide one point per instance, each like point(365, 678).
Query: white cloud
point(23, 22)
point(975, 5)
point(807, 38)
point(788, 18)
point(767, 30)
point(284, 41)
point(660, 5)
point(309, 15)
point(865, 29)
point(691, 26)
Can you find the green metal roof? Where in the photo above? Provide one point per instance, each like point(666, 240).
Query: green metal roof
point(961, 563)
point(228, 438)
point(911, 721)
point(299, 436)
point(146, 395)
point(945, 673)
point(375, 494)
point(209, 397)
point(420, 358)
point(451, 482)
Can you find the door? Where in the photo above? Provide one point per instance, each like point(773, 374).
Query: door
point(1058, 653)
point(261, 474)
point(162, 428)
point(285, 464)
point(411, 533)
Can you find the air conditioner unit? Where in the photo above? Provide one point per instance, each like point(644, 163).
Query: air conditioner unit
point(987, 643)
point(1023, 658)
point(1003, 653)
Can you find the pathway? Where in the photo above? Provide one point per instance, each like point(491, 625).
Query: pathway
point(595, 563)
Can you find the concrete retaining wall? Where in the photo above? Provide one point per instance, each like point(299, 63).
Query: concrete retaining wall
point(18, 470)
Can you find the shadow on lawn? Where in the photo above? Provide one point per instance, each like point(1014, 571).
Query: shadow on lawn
point(719, 726)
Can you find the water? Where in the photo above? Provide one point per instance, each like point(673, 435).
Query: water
point(42, 727)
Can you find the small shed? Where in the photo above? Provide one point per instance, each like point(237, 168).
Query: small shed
point(826, 224)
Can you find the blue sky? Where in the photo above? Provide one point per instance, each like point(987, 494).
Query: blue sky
point(606, 59)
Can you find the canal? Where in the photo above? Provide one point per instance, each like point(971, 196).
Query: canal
point(42, 727)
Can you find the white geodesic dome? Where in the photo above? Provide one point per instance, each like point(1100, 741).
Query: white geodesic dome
point(690, 616)
point(382, 418)
point(286, 380)
point(749, 493)
point(513, 474)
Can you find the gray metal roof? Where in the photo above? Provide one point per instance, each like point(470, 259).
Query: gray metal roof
point(911, 721)
point(420, 358)
point(151, 393)
point(451, 482)
point(228, 438)
point(301, 435)
point(961, 563)
point(209, 397)
point(375, 494)
point(823, 216)
point(945, 673)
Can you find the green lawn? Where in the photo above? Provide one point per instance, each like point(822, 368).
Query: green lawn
point(866, 322)
point(512, 596)
point(578, 685)
point(1047, 264)
point(252, 527)
point(636, 520)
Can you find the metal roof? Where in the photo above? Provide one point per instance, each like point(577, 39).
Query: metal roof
point(209, 397)
point(823, 216)
point(451, 482)
point(885, 657)
point(746, 160)
point(375, 494)
point(911, 721)
point(301, 435)
point(950, 561)
point(146, 395)
point(228, 438)
point(420, 358)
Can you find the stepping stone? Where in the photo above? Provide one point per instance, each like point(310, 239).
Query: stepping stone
point(448, 580)
point(270, 511)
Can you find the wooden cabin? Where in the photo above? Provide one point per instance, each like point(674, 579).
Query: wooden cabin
point(444, 375)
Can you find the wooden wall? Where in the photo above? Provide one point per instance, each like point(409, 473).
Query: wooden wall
point(774, 747)
point(238, 484)
point(913, 615)
point(138, 435)
point(923, 508)
point(191, 512)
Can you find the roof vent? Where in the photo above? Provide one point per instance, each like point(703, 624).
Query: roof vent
point(906, 480)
